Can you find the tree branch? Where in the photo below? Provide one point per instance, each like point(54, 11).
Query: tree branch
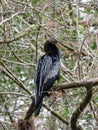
point(30, 110)
point(79, 110)
point(77, 84)
point(22, 34)
point(8, 19)
point(6, 108)
point(8, 73)
point(57, 115)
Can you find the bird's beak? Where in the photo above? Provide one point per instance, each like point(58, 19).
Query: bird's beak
point(59, 44)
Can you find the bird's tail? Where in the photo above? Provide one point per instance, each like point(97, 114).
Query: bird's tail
point(38, 105)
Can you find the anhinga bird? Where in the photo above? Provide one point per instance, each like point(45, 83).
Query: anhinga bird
point(48, 71)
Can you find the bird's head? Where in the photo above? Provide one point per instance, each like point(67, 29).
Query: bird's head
point(52, 40)
point(50, 44)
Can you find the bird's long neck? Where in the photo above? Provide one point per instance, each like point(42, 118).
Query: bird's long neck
point(55, 54)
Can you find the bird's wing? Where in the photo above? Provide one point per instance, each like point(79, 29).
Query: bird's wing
point(37, 75)
point(52, 76)
point(43, 68)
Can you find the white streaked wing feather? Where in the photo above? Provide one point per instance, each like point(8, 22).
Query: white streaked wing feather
point(45, 68)
point(53, 72)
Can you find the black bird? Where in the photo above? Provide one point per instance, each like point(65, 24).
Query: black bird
point(48, 71)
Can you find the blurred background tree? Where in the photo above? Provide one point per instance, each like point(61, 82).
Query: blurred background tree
point(24, 27)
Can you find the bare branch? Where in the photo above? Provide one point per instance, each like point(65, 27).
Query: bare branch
point(8, 19)
point(14, 93)
point(78, 84)
point(57, 115)
point(22, 34)
point(13, 77)
point(80, 108)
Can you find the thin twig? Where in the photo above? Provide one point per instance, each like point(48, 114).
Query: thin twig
point(8, 19)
